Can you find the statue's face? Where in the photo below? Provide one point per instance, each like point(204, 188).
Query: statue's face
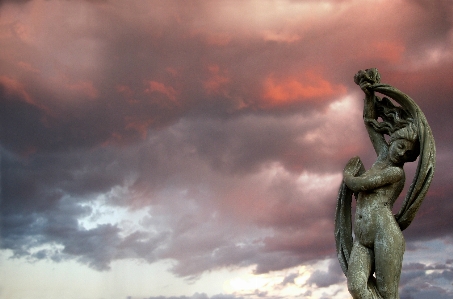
point(400, 150)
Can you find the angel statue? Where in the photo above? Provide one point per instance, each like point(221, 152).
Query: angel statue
point(372, 261)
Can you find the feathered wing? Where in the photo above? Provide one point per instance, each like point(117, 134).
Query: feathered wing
point(426, 161)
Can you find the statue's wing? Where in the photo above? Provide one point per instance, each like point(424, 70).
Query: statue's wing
point(343, 226)
point(426, 161)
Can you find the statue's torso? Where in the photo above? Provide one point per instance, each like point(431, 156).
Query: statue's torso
point(374, 209)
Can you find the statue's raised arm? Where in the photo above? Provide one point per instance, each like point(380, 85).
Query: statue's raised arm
point(366, 79)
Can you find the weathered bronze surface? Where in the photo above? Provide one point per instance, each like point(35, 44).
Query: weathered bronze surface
point(372, 261)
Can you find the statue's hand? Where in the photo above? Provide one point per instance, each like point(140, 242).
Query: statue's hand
point(354, 167)
point(371, 75)
point(366, 87)
point(366, 79)
point(358, 78)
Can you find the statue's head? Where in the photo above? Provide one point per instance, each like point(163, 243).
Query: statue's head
point(404, 144)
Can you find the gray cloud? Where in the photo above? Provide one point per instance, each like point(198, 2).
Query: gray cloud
point(324, 279)
point(426, 281)
point(199, 296)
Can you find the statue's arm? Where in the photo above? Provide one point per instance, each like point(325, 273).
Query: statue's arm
point(368, 182)
point(369, 114)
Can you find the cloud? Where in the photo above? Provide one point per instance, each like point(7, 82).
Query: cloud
point(217, 135)
point(420, 280)
point(14, 1)
point(158, 173)
point(310, 86)
point(199, 296)
point(290, 279)
point(324, 279)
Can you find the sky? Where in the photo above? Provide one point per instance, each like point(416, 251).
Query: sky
point(194, 149)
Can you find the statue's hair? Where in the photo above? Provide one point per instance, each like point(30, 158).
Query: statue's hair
point(397, 123)
point(393, 117)
point(409, 132)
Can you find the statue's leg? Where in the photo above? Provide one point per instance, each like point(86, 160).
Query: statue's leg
point(359, 270)
point(389, 250)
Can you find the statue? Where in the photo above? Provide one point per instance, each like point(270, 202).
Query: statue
point(372, 261)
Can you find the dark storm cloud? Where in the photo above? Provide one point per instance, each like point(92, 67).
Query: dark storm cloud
point(39, 186)
point(420, 281)
point(230, 130)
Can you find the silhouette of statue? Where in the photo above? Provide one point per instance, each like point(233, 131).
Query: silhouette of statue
point(372, 261)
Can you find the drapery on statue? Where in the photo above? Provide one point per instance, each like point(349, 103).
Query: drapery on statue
point(379, 244)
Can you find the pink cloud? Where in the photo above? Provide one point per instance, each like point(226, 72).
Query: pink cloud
point(15, 87)
point(217, 81)
point(309, 86)
point(84, 87)
point(168, 91)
